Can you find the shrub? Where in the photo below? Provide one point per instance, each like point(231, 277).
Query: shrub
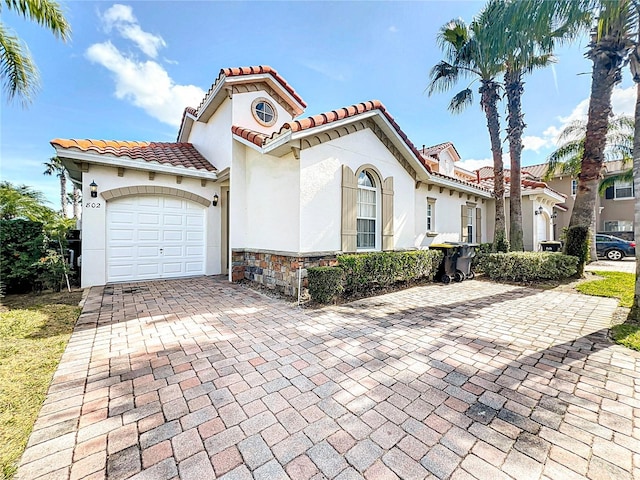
point(22, 245)
point(501, 244)
point(366, 271)
point(325, 283)
point(578, 245)
point(528, 266)
point(483, 250)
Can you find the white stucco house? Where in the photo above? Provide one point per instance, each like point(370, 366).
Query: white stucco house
point(250, 189)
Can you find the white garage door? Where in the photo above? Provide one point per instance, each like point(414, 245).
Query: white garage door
point(154, 237)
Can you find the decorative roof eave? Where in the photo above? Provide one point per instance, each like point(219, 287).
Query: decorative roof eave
point(544, 192)
point(442, 180)
point(73, 160)
point(293, 136)
point(188, 117)
point(230, 79)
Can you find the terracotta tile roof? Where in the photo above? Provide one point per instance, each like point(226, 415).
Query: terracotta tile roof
point(238, 71)
point(176, 154)
point(260, 139)
point(527, 184)
point(479, 186)
point(435, 149)
point(256, 70)
point(252, 136)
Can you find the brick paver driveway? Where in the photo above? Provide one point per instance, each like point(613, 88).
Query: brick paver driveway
point(198, 378)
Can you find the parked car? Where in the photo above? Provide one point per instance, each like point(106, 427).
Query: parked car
point(614, 248)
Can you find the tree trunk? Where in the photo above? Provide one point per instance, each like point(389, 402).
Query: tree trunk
point(76, 202)
point(605, 75)
point(63, 193)
point(489, 100)
point(635, 69)
point(514, 88)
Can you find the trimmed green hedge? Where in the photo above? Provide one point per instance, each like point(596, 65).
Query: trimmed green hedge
point(366, 271)
point(528, 266)
point(360, 273)
point(325, 283)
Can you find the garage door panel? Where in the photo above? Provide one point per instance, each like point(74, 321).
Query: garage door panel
point(193, 267)
point(193, 251)
point(195, 221)
point(172, 268)
point(195, 236)
point(125, 252)
point(173, 235)
point(153, 237)
point(148, 251)
point(148, 219)
point(120, 272)
point(148, 235)
point(148, 201)
point(120, 234)
point(123, 218)
point(172, 251)
point(149, 270)
point(171, 220)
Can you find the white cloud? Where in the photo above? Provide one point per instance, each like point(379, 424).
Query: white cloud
point(121, 18)
point(393, 29)
point(531, 142)
point(146, 84)
point(623, 102)
point(474, 164)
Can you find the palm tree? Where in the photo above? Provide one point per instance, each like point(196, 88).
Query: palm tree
point(76, 199)
point(634, 63)
point(524, 48)
point(54, 165)
point(566, 159)
point(611, 43)
point(18, 71)
point(21, 201)
point(466, 50)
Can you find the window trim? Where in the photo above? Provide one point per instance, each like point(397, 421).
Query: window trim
point(616, 187)
point(266, 101)
point(377, 188)
point(431, 202)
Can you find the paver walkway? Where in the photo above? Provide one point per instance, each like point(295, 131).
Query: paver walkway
point(199, 378)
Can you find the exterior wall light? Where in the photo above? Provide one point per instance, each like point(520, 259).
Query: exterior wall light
point(554, 215)
point(94, 189)
point(539, 211)
point(214, 202)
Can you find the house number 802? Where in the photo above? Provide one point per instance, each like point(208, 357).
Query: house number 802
point(93, 205)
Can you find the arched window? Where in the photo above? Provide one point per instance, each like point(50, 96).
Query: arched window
point(367, 217)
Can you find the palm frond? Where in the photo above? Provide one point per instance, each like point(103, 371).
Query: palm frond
point(461, 101)
point(442, 77)
point(47, 13)
point(18, 72)
point(607, 182)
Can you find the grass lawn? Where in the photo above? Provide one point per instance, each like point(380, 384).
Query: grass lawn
point(619, 285)
point(34, 330)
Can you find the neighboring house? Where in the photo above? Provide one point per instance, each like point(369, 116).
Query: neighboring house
point(250, 190)
point(540, 206)
point(614, 210)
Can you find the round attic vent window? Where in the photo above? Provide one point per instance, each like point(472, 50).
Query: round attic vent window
point(264, 112)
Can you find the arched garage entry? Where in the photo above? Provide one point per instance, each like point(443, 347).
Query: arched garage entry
point(155, 235)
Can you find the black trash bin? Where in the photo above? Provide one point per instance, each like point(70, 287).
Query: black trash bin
point(550, 246)
point(447, 269)
point(466, 253)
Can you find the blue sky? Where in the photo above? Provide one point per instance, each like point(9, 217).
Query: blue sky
point(131, 68)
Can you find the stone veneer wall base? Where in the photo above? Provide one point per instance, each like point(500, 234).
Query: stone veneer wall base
point(277, 270)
